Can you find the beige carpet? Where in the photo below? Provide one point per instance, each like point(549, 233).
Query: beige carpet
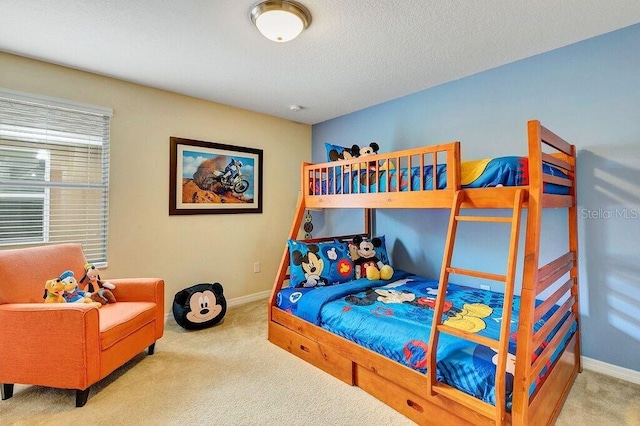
point(231, 375)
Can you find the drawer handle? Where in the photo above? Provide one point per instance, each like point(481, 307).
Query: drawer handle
point(304, 348)
point(415, 406)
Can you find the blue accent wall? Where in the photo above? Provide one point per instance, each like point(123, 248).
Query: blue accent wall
point(588, 93)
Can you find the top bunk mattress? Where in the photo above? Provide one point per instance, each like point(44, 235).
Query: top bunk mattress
point(490, 172)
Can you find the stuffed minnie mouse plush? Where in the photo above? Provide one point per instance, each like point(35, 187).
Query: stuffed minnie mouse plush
point(368, 262)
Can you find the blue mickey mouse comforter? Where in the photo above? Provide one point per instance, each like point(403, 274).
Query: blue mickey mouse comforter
point(394, 319)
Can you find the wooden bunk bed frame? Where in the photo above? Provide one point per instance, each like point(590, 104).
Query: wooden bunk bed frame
point(419, 396)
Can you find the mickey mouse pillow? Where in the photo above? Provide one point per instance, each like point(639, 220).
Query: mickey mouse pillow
point(337, 152)
point(319, 264)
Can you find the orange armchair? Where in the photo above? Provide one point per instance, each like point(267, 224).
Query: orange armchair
point(90, 342)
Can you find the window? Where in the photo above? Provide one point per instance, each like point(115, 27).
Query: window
point(23, 209)
point(54, 173)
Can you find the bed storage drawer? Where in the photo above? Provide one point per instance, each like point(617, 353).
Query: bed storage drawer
point(312, 352)
point(417, 408)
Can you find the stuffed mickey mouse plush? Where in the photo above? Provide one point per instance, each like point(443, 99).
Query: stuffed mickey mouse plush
point(368, 262)
point(371, 150)
point(365, 150)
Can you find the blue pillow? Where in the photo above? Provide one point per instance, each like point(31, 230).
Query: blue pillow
point(287, 298)
point(337, 152)
point(319, 264)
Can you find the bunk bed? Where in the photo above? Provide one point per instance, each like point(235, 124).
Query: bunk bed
point(530, 380)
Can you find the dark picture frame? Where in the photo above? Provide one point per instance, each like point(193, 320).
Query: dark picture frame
point(213, 178)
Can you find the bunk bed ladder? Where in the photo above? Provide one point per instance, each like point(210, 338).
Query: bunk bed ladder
point(501, 346)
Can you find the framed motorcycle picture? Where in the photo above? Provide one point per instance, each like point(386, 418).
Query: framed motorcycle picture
point(208, 177)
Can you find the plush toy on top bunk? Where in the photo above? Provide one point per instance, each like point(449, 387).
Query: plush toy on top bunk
point(365, 151)
point(371, 149)
point(338, 153)
point(99, 290)
point(365, 260)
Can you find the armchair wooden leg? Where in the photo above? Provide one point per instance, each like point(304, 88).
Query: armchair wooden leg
point(7, 390)
point(82, 396)
point(151, 348)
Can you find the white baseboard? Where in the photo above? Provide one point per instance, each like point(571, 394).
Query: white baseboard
point(627, 374)
point(236, 301)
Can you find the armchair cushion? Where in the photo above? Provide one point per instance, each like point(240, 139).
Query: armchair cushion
point(119, 320)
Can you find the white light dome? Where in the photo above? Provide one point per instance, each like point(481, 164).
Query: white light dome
point(280, 21)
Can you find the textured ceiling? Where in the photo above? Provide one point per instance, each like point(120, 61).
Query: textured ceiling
point(355, 54)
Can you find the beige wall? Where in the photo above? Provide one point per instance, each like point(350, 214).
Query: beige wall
point(143, 239)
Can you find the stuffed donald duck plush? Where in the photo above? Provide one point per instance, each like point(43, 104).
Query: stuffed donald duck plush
point(72, 293)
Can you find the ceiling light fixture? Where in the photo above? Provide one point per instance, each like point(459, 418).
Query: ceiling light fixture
point(280, 21)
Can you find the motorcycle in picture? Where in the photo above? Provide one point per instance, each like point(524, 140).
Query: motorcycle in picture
point(231, 179)
point(236, 183)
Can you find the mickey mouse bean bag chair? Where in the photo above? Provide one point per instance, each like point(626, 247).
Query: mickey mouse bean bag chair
point(199, 306)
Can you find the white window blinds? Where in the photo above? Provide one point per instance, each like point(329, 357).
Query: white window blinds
point(54, 173)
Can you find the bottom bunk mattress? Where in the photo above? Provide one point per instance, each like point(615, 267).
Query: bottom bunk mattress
point(393, 318)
